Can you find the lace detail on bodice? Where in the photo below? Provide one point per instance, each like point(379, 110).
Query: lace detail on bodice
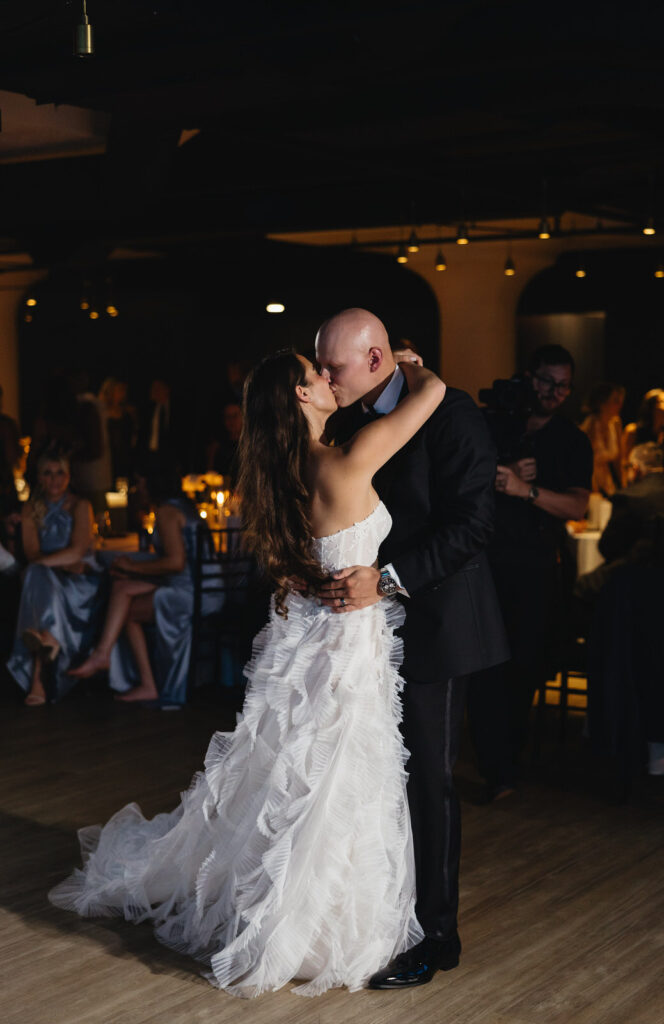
point(357, 544)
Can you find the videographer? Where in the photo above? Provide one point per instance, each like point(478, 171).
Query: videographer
point(543, 477)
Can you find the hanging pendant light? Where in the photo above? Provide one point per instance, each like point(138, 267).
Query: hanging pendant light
point(413, 244)
point(544, 229)
point(659, 270)
point(83, 37)
point(580, 271)
point(510, 269)
point(439, 263)
point(462, 235)
point(649, 226)
point(402, 255)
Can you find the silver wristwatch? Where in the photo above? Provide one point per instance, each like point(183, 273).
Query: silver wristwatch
point(387, 585)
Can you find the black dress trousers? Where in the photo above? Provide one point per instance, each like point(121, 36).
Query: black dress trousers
point(432, 722)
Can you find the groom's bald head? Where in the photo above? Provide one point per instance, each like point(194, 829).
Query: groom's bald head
point(354, 350)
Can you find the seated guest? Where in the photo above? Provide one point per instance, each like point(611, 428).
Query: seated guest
point(57, 617)
point(650, 423)
point(160, 591)
point(632, 534)
point(604, 429)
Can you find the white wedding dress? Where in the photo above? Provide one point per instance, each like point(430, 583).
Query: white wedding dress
point(290, 856)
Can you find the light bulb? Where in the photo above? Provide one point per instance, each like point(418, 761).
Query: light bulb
point(544, 229)
point(580, 272)
point(649, 226)
point(275, 307)
point(31, 302)
point(440, 263)
point(402, 256)
point(510, 269)
point(659, 270)
point(413, 243)
point(462, 235)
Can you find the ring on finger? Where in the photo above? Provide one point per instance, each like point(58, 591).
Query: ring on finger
point(342, 602)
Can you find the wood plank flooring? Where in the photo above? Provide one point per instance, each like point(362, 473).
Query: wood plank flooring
point(562, 894)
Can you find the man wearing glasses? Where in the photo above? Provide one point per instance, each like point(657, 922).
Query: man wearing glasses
point(543, 478)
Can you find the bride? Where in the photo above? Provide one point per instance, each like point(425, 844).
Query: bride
point(290, 855)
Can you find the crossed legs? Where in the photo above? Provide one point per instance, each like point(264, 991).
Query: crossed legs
point(130, 605)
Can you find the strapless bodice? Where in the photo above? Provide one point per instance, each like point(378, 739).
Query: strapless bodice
point(357, 544)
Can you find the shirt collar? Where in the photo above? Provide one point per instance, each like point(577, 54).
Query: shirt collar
point(388, 398)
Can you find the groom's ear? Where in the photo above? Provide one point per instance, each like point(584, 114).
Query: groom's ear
point(375, 359)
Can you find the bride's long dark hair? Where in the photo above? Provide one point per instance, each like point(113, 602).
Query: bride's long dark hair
point(272, 458)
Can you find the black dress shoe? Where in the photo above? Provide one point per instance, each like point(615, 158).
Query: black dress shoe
point(418, 965)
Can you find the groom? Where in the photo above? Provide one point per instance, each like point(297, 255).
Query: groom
point(439, 490)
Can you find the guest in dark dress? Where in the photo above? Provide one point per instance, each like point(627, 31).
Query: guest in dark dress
point(58, 612)
point(158, 590)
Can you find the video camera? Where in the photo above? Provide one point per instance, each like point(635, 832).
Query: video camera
point(508, 403)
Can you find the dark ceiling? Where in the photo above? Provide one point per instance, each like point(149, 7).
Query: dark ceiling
point(321, 115)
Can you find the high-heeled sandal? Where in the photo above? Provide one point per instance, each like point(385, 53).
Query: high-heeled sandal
point(37, 645)
point(34, 700)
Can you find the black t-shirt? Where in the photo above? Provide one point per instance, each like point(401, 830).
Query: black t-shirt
point(564, 459)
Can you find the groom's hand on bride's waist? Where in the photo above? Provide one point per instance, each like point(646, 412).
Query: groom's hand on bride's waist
point(351, 589)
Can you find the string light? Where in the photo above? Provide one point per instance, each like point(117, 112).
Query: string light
point(93, 314)
point(440, 263)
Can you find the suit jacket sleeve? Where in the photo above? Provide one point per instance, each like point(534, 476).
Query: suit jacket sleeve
point(462, 478)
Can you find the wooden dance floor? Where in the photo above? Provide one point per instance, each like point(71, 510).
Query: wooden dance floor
point(562, 893)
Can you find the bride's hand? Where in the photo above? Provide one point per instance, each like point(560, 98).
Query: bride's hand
point(351, 589)
point(406, 355)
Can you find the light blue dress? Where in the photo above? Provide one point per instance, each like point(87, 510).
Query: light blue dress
point(174, 609)
point(68, 605)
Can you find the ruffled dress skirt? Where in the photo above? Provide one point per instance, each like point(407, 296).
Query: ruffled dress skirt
point(290, 855)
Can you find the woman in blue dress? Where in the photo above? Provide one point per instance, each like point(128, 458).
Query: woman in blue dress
point(59, 609)
point(157, 590)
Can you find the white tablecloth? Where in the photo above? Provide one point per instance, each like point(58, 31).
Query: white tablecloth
point(586, 550)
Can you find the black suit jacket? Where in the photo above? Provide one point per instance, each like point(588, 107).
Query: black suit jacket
point(439, 490)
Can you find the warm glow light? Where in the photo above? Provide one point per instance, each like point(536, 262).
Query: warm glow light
point(220, 498)
point(544, 229)
point(510, 269)
point(275, 307)
point(659, 270)
point(402, 257)
point(111, 310)
point(28, 318)
point(203, 514)
point(93, 314)
point(649, 227)
point(440, 263)
point(85, 304)
point(31, 302)
point(413, 243)
point(462, 235)
point(580, 272)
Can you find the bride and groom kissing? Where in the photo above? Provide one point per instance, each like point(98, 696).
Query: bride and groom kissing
point(302, 852)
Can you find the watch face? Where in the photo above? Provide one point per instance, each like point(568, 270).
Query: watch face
point(387, 585)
